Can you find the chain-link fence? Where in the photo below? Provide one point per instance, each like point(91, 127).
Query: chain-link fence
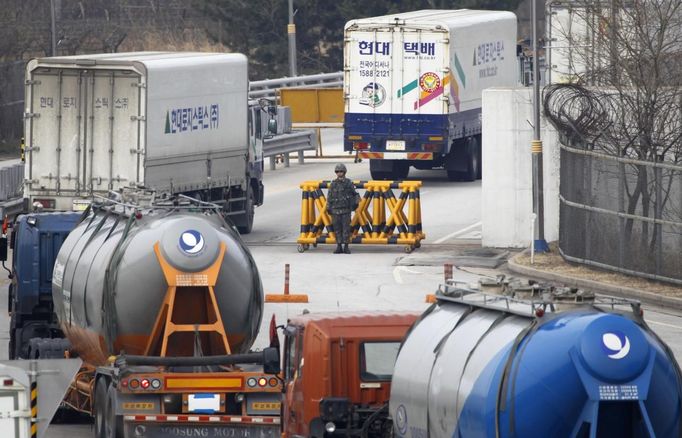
point(620, 213)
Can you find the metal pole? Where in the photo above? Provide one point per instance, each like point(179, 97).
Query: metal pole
point(447, 272)
point(536, 144)
point(33, 379)
point(291, 30)
point(548, 41)
point(53, 25)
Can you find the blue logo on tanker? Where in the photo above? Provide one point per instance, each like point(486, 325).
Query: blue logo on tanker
point(615, 344)
point(191, 242)
point(401, 419)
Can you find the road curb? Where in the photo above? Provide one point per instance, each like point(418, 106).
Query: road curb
point(625, 292)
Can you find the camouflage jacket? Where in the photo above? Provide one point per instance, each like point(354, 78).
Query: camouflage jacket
point(341, 196)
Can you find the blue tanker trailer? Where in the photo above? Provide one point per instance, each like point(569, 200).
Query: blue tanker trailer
point(566, 365)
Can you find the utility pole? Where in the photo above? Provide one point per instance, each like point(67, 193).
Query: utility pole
point(539, 244)
point(53, 26)
point(291, 30)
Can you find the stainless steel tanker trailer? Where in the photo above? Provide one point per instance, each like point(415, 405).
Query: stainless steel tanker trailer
point(566, 365)
point(162, 301)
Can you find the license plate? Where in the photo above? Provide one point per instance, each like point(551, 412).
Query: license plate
point(80, 204)
point(395, 145)
point(266, 406)
point(156, 430)
point(203, 403)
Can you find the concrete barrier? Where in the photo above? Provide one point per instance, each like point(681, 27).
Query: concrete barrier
point(506, 198)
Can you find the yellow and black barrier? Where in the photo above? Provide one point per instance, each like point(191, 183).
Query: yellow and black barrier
point(380, 218)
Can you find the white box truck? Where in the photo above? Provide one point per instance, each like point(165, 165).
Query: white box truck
point(178, 123)
point(413, 83)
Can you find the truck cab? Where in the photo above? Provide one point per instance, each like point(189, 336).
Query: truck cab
point(337, 373)
point(35, 242)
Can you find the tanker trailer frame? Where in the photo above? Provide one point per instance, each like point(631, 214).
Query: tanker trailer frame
point(191, 378)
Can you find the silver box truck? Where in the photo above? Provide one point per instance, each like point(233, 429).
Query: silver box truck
point(172, 122)
point(413, 83)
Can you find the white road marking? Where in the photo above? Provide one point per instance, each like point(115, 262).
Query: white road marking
point(458, 233)
point(396, 273)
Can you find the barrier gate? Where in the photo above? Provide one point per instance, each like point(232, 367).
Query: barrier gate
point(378, 220)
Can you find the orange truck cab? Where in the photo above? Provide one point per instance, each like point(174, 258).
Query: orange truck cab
point(337, 372)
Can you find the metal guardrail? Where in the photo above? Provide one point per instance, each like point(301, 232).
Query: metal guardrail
point(11, 208)
point(11, 180)
point(284, 144)
point(268, 87)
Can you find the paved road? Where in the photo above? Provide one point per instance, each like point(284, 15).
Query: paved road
point(370, 278)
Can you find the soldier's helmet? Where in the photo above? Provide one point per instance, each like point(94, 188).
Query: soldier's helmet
point(340, 168)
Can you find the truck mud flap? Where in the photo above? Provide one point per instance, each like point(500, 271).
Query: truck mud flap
point(134, 429)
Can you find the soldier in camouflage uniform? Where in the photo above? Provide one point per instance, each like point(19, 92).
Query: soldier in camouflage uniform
point(341, 201)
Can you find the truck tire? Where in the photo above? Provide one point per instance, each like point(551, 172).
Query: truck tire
point(246, 220)
point(100, 407)
point(479, 152)
point(473, 152)
point(400, 170)
point(470, 157)
point(12, 344)
point(48, 348)
point(379, 175)
point(113, 424)
point(382, 170)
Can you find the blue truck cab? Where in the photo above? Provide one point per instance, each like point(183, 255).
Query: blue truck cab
point(35, 241)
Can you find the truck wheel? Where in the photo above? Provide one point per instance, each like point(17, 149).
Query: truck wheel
point(246, 221)
point(10, 298)
point(400, 170)
point(470, 158)
point(471, 173)
point(12, 345)
point(479, 152)
point(100, 407)
point(378, 170)
point(379, 175)
point(113, 424)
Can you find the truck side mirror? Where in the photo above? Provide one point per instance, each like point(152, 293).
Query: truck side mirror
point(272, 126)
point(3, 249)
point(271, 360)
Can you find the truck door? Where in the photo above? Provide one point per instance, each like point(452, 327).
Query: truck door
point(369, 80)
point(422, 91)
point(397, 84)
point(82, 130)
point(293, 413)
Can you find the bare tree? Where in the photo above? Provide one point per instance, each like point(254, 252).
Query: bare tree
point(626, 55)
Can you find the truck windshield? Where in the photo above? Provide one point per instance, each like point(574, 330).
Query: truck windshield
point(377, 360)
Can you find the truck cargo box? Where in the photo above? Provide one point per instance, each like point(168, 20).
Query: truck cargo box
point(413, 82)
point(171, 121)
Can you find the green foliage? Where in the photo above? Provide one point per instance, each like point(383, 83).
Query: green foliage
point(258, 28)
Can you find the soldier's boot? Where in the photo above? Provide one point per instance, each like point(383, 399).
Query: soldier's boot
point(346, 250)
point(338, 249)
